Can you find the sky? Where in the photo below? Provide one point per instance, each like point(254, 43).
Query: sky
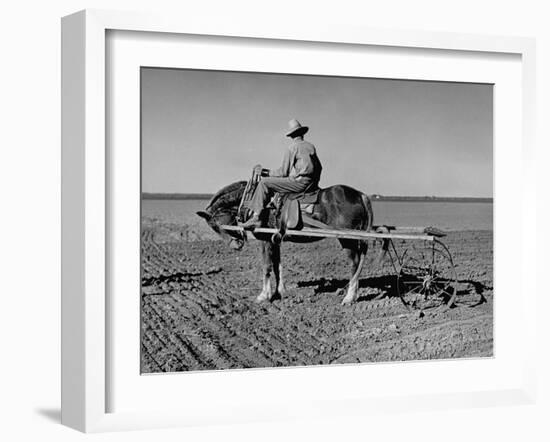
point(202, 130)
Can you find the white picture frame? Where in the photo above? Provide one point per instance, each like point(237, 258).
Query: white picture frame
point(86, 205)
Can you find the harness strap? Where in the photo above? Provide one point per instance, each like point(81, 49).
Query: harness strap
point(314, 222)
point(247, 194)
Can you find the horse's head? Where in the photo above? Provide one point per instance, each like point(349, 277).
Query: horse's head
point(222, 210)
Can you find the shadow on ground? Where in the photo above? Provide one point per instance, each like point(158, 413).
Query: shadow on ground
point(387, 286)
point(378, 284)
point(51, 414)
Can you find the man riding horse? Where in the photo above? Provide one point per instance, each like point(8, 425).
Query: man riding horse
point(338, 207)
point(300, 172)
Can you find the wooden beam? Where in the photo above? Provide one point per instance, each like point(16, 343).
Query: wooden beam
point(430, 231)
point(333, 233)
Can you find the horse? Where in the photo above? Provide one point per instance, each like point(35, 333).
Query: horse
point(338, 206)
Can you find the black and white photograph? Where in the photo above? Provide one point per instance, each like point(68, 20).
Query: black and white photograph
point(275, 221)
point(303, 220)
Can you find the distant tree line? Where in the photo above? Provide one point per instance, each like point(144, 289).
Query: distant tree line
point(375, 197)
point(448, 199)
point(176, 196)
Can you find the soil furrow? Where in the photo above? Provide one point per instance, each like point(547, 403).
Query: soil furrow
point(203, 315)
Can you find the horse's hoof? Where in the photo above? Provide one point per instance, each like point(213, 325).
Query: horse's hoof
point(262, 297)
point(348, 300)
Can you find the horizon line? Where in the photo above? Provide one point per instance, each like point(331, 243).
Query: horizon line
point(374, 196)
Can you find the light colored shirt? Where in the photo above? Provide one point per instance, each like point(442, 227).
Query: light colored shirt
point(300, 160)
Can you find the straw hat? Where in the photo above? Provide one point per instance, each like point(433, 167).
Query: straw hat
point(295, 128)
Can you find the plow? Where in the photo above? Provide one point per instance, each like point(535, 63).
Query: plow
point(423, 266)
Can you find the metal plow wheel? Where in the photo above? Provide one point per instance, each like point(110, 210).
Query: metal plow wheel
point(427, 277)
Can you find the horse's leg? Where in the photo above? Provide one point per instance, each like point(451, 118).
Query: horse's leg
point(280, 288)
point(267, 268)
point(376, 262)
point(357, 257)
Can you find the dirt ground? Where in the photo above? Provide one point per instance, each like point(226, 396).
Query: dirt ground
point(198, 309)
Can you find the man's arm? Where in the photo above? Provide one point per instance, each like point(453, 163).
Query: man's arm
point(284, 170)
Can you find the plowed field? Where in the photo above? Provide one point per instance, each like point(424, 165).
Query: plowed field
point(198, 309)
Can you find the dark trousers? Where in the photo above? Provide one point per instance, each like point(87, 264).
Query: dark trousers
point(270, 185)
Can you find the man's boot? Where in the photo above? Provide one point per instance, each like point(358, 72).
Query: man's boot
point(252, 223)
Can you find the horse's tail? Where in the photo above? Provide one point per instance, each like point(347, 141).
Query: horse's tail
point(367, 223)
point(368, 228)
point(370, 214)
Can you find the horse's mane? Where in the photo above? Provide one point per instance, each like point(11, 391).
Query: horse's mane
point(227, 198)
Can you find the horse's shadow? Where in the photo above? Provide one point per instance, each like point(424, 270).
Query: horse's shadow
point(386, 286)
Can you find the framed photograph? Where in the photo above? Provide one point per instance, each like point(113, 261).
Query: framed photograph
point(265, 223)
